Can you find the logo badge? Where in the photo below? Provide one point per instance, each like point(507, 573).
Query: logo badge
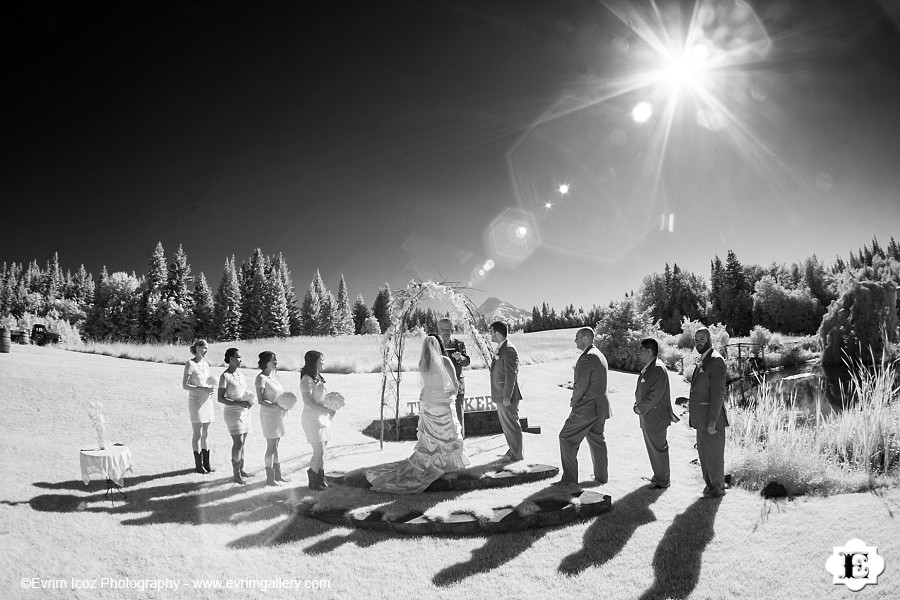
point(855, 565)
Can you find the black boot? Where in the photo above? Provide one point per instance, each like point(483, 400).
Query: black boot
point(204, 454)
point(236, 467)
point(321, 477)
point(198, 463)
point(270, 477)
point(313, 480)
point(278, 477)
point(244, 473)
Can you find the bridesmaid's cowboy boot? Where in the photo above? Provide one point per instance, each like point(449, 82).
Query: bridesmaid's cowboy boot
point(198, 463)
point(241, 467)
point(270, 477)
point(236, 467)
point(278, 477)
point(313, 480)
point(321, 477)
point(204, 454)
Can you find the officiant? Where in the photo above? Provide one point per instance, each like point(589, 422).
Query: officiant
point(456, 350)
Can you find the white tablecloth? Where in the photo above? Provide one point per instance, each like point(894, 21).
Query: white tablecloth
point(112, 463)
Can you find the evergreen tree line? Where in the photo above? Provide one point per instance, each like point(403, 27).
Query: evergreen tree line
point(780, 297)
point(169, 304)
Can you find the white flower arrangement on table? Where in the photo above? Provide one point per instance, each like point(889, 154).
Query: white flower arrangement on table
point(287, 400)
point(99, 421)
point(333, 401)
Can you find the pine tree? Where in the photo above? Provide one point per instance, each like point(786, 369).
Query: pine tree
point(736, 297)
point(254, 321)
point(54, 280)
point(228, 304)
point(381, 308)
point(296, 326)
point(204, 310)
point(152, 306)
point(179, 278)
point(309, 312)
point(278, 322)
point(311, 308)
point(360, 314)
point(344, 314)
point(324, 317)
point(327, 322)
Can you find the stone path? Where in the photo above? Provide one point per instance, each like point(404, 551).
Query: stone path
point(569, 505)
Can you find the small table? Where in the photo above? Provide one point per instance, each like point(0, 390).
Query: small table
point(111, 462)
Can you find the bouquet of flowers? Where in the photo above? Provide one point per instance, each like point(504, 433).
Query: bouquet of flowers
point(287, 400)
point(249, 397)
point(96, 415)
point(212, 381)
point(333, 401)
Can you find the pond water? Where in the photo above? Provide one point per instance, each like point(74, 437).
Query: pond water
point(814, 388)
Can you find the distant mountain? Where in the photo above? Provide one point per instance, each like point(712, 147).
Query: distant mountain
point(496, 309)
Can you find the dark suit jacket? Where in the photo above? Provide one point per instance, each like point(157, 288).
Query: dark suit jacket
point(505, 374)
point(707, 398)
point(589, 388)
point(652, 398)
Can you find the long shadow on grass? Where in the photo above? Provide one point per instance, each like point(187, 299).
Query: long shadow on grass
point(500, 549)
point(190, 503)
point(677, 560)
point(78, 484)
point(606, 537)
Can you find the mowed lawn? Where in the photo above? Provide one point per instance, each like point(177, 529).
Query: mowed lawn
point(184, 526)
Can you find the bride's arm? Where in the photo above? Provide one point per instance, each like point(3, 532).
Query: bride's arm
point(451, 370)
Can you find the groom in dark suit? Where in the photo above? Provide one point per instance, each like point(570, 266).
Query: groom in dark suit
point(590, 410)
point(505, 389)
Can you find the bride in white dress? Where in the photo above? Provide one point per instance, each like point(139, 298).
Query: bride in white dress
point(439, 448)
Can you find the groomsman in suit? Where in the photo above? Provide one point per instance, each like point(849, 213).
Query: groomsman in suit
point(456, 350)
point(653, 404)
point(706, 407)
point(590, 410)
point(505, 389)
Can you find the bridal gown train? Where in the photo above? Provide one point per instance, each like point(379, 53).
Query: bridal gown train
point(439, 448)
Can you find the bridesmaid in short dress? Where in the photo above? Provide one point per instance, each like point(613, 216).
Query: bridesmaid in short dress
point(200, 403)
point(237, 411)
point(315, 418)
point(271, 415)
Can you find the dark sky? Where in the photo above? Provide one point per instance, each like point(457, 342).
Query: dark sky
point(391, 140)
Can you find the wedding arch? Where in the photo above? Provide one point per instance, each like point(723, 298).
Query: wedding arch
point(393, 341)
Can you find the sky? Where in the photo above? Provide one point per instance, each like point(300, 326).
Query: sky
point(394, 140)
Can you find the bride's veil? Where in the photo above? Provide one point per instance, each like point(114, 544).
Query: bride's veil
point(431, 362)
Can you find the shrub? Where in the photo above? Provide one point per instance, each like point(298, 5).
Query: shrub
point(760, 336)
point(775, 342)
point(858, 322)
point(619, 332)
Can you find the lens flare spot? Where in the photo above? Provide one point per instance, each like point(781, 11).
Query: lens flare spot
point(564, 188)
point(488, 264)
point(824, 181)
point(642, 112)
point(521, 232)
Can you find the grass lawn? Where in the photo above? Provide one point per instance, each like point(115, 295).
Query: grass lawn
point(343, 353)
point(184, 526)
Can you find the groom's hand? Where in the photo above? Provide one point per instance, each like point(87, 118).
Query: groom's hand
point(506, 402)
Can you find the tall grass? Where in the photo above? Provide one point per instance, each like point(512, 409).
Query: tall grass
point(343, 353)
point(851, 450)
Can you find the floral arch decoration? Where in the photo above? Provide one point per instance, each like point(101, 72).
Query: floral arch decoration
point(393, 341)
